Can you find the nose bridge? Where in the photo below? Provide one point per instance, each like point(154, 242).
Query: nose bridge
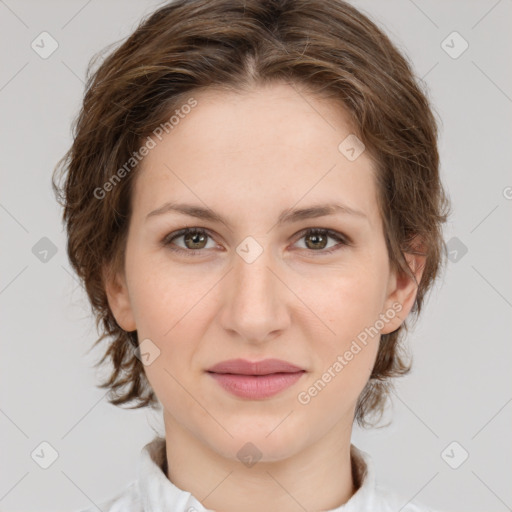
point(255, 283)
point(256, 305)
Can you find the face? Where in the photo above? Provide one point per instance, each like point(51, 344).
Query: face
point(258, 284)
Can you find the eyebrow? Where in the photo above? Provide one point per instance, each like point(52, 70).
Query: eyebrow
point(287, 216)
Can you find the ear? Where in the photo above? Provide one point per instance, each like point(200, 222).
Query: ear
point(119, 299)
point(402, 288)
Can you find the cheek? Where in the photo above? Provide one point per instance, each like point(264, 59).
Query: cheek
point(163, 295)
point(345, 354)
point(350, 305)
point(171, 308)
point(166, 311)
point(349, 302)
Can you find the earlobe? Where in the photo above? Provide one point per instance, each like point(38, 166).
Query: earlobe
point(119, 299)
point(403, 290)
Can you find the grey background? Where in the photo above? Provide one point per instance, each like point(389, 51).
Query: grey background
point(459, 389)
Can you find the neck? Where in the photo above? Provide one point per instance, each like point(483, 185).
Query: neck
point(317, 478)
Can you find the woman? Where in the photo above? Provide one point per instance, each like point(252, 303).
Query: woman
point(253, 202)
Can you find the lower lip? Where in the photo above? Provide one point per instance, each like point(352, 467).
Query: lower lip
point(256, 386)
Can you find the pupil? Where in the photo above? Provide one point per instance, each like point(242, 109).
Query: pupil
point(195, 237)
point(317, 237)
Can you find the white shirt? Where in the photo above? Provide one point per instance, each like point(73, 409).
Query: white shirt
point(154, 492)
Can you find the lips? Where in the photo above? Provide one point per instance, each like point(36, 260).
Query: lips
point(264, 367)
point(255, 380)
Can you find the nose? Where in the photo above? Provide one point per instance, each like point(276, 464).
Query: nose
point(255, 308)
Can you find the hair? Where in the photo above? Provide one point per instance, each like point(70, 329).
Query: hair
point(325, 47)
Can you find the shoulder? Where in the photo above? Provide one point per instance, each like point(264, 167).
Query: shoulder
point(371, 495)
point(127, 501)
point(140, 493)
point(387, 500)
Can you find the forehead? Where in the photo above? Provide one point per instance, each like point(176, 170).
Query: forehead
point(273, 146)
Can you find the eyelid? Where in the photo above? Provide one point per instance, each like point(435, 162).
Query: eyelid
point(336, 235)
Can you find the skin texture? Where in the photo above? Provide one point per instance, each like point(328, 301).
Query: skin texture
point(250, 156)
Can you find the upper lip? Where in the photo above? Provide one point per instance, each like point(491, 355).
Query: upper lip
point(263, 367)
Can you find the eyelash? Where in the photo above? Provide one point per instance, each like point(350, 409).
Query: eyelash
point(343, 240)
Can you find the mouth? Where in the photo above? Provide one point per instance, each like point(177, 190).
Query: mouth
point(255, 380)
point(256, 368)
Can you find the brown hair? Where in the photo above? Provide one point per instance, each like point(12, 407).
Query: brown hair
point(326, 47)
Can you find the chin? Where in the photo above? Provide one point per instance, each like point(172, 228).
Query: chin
point(266, 443)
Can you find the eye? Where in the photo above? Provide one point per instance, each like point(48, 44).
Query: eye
point(196, 239)
point(317, 240)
